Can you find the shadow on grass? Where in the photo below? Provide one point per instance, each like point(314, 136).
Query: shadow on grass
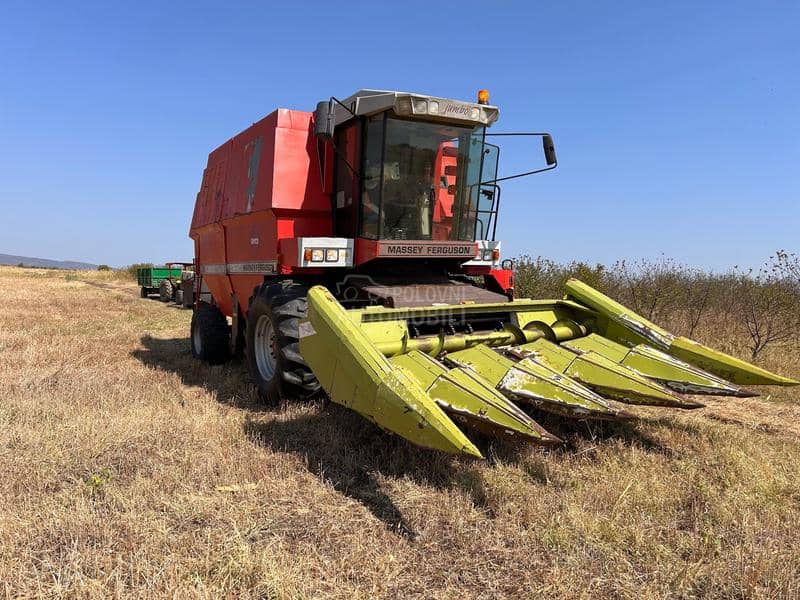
point(338, 445)
point(591, 439)
point(229, 383)
point(360, 461)
point(635, 433)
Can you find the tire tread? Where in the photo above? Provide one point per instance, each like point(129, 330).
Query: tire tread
point(285, 302)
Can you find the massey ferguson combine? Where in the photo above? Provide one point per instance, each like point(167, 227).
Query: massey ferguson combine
point(353, 250)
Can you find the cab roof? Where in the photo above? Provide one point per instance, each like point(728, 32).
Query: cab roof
point(414, 105)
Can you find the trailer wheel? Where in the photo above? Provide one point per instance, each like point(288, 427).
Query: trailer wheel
point(144, 292)
point(165, 290)
point(210, 334)
point(272, 343)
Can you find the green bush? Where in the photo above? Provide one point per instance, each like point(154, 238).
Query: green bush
point(131, 269)
point(544, 278)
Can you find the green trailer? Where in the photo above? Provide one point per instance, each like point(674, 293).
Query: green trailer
point(162, 280)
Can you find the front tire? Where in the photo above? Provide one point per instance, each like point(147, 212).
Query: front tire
point(210, 334)
point(272, 343)
point(165, 290)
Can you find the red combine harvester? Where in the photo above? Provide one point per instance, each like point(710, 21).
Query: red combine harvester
point(353, 249)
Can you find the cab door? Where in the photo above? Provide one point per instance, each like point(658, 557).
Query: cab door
point(488, 194)
point(347, 140)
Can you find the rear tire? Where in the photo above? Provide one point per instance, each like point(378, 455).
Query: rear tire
point(165, 290)
point(210, 334)
point(144, 292)
point(272, 343)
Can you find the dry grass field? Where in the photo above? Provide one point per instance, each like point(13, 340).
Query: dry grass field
point(129, 469)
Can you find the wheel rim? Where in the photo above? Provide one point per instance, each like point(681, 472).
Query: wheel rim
point(264, 343)
point(197, 340)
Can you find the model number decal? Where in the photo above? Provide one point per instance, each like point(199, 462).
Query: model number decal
point(254, 268)
point(257, 267)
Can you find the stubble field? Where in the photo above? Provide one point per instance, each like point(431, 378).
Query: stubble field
point(129, 469)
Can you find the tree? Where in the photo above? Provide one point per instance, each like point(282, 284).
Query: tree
point(769, 308)
point(132, 269)
point(788, 265)
point(695, 296)
point(651, 288)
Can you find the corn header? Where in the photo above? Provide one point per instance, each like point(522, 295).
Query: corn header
point(352, 251)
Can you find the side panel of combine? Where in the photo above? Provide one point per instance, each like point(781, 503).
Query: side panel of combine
point(209, 246)
point(262, 186)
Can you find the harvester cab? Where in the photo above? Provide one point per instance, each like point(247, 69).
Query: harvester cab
point(415, 179)
point(352, 250)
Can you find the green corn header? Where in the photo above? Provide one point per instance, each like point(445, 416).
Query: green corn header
point(581, 357)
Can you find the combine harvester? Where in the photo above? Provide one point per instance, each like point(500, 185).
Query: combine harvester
point(353, 249)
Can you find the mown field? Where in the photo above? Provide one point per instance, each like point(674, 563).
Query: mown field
point(129, 469)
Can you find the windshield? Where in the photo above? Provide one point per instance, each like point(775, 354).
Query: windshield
point(421, 181)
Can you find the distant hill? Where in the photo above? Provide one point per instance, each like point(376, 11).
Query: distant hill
point(29, 261)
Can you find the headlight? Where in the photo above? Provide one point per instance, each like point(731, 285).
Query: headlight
point(316, 255)
point(487, 255)
point(332, 255)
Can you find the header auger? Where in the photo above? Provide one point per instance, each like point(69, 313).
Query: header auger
point(353, 250)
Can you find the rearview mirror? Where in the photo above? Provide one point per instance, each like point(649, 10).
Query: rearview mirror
point(547, 145)
point(549, 149)
point(324, 120)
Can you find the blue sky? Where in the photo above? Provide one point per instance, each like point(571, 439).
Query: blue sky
point(677, 124)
